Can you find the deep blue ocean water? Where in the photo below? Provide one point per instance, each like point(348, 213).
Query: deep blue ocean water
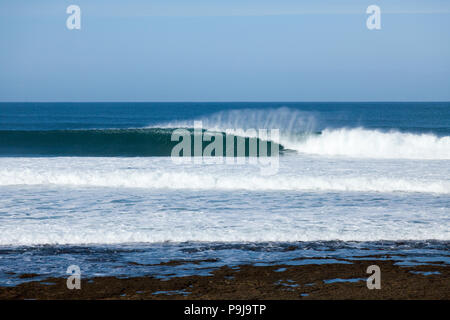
point(419, 117)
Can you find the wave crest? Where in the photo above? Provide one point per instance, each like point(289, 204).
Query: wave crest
point(298, 132)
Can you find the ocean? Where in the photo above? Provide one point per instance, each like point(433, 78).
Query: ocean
point(94, 185)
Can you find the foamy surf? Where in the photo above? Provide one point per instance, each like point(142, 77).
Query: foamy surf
point(124, 216)
point(160, 179)
point(296, 174)
point(363, 143)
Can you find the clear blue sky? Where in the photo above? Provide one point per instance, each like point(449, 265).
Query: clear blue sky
point(224, 50)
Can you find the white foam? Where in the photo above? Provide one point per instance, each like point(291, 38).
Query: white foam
point(128, 200)
point(186, 180)
point(160, 219)
point(364, 143)
point(296, 174)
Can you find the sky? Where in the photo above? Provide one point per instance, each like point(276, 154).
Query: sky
point(224, 50)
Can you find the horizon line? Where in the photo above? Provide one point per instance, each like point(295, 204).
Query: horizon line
point(243, 101)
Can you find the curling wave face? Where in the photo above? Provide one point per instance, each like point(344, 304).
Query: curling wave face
point(138, 142)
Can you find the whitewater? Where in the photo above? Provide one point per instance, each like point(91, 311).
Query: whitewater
point(337, 181)
point(297, 173)
point(153, 200)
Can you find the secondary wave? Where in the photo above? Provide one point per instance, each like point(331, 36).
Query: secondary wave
point(188, 180)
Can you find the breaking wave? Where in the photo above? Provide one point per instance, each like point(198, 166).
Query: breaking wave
point(298, 132)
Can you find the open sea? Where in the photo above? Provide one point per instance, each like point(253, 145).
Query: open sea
point(93, 185)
